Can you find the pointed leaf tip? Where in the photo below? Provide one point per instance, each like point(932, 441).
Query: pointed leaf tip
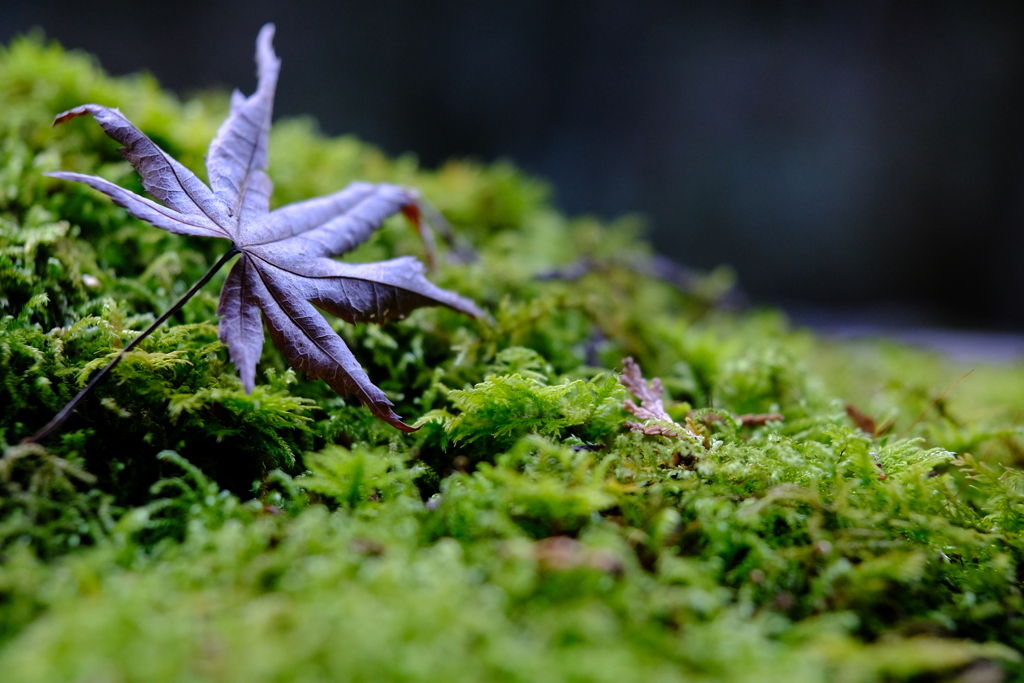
point(80, 110)
point(265, 55)
point(385, 413)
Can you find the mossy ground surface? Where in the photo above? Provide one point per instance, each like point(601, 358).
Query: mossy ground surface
point(178, 529)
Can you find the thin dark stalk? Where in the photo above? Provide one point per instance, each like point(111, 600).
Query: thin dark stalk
point(66, 411)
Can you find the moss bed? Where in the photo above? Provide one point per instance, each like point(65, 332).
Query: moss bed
point(177, 529)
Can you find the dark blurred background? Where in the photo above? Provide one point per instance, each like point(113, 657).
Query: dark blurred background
point(853, 161)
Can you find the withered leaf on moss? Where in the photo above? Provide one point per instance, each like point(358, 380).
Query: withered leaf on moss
point(651, 408)
point(285, 269)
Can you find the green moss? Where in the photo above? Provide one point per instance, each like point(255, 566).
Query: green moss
point(179, 529)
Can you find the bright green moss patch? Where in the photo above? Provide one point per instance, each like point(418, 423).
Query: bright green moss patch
point(178, 529)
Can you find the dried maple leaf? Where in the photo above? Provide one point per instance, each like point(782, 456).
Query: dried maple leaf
point(284, 269)
point(649, 393)
point(657, 422)
point(651, 409)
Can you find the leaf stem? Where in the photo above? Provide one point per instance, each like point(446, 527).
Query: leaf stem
point(66, 411)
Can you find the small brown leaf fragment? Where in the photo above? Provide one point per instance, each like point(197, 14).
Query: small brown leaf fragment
point(864, 422)
point(759, 419)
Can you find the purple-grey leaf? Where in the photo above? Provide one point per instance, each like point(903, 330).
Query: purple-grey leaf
point(309, 344)
point(240, 327)
point(237, 159)
point(368, 292)
point(162, 176)
point(148, 210)
point(335, 224)
point(284, 270)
